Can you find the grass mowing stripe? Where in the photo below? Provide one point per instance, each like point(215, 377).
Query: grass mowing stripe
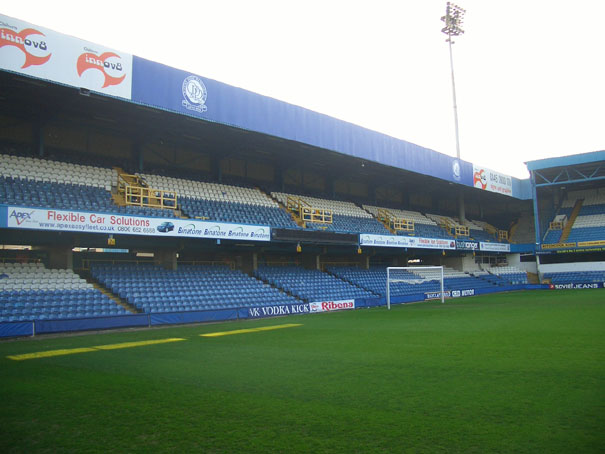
point(49, 353)
point(71, 351)
point(137, 344)
point(250, 330)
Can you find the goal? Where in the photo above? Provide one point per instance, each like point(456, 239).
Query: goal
point(415, 275)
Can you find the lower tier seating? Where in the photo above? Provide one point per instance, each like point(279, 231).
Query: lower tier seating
point(375, 278)
point(33, 292)
point(509, 274)
point(153, 289)
point(311, 285)
point(576, 277)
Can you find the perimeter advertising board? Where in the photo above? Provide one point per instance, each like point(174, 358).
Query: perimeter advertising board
point(450, 294)
point(406, 242)
point(39, 52)
point(467, 245)
point(88, 222)
point(494, 247)
point(571, 285)
point(330, 306)
point(275, 311)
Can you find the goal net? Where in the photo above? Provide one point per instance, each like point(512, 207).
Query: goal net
point(407, 280)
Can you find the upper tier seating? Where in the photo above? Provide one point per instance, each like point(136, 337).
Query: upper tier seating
point(589, 225)
point(63, 196)
point(225, 203)
point(33, 292)
point(478, 232)
point(477, 229)
point(43, 183)
point(423, 226)
point(154, 289)
point(209, 191)
point(346, 216)
point(525, 231)
point(311, 285)
point(34, 169)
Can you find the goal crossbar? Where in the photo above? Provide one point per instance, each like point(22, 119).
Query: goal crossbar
point(394, 274)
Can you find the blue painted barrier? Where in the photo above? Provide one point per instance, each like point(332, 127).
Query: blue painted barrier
point(175, 318)
point(16, 329)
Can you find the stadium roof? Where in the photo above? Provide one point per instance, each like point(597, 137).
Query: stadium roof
point(580, 168)
point(563, 161)
point(92, 68)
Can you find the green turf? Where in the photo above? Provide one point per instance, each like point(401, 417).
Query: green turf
point(519, 372)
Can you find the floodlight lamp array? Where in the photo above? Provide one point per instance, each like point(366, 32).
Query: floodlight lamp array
point(454, 19)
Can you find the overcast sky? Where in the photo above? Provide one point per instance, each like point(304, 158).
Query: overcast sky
point(530, 74)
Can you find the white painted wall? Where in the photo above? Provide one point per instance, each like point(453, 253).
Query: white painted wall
point(515, 260)
point(562, 267)
point(463, 263)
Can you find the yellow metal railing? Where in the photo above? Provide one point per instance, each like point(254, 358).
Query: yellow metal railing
point(304, 212)
point(394, 223)
point(461, 230)
point(556, 225)
point(132, 188)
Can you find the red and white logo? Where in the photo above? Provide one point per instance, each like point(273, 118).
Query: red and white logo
point(480, 179)
point(328, 306)
point(109, 63)
point(30, 41)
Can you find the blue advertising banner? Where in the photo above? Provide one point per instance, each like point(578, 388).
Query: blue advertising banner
point(179, 91)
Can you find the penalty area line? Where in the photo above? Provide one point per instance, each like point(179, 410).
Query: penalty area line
point(250, 330)
point(71, 351)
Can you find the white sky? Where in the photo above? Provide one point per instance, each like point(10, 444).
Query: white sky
point(530, 74)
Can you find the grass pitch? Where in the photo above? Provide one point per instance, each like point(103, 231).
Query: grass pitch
point(518, 372)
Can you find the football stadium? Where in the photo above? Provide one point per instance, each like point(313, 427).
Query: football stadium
point(188, 266)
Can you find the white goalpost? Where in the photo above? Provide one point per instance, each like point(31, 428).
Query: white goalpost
point(414, 275)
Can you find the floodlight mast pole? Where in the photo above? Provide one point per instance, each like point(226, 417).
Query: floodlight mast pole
point(454, 17)
point(455, 103)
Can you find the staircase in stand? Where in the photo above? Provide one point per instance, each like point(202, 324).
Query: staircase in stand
point(107, 292)
point(572, 218)
point(295, 218)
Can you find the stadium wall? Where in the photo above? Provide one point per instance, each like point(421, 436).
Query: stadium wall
point(571, 267)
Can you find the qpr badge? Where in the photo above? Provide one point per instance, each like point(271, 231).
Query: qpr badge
point(194, 94)
point(456, 170)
